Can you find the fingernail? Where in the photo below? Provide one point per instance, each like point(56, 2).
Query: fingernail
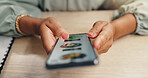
point(64, 36)
point(91, 34)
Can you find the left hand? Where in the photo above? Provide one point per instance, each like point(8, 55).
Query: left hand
point(103, 32)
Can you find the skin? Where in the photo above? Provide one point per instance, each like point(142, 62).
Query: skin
point(103, 32)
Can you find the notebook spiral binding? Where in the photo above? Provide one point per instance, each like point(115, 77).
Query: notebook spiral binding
point(2, 62)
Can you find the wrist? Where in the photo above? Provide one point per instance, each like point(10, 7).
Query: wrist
point(124, 25)
point(114, 24)
point(114, 30)
point(17, 25)
point(30, 25)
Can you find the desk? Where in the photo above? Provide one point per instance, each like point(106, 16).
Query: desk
point(127, 58)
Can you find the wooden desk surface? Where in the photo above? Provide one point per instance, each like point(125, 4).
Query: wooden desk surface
point(127, 58)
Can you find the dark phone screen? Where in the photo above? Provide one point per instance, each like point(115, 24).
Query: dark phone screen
point(76, 49)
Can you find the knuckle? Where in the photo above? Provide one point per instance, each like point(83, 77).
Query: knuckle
point(104, 37)
point(109, 45)
point(58, 31)
point(101, 41)
point(42, 26)
point(107, 35)
point(46, 22)
point(97, 23)
point(58, 28)
point(95, 45)
point(106, 50)
point(101, 22)
point(95, 30)
point(50, 19)
point(109, 24)
point(103, 51)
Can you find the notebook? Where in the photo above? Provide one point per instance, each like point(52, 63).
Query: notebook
point(5, 45)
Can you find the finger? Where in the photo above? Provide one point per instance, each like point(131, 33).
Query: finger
point(96, 29)
point(102, 38)
point(47, 38)
point(103, 51)
point(105, 47)
point(56, 28)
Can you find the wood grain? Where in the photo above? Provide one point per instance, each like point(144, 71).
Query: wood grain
point(127, 58)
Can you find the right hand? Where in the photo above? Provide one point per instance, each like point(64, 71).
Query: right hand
point(103, 32)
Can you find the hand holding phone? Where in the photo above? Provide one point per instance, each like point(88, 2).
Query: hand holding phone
point(76, 51)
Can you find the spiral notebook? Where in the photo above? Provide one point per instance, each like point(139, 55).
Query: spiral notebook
point(5, 45)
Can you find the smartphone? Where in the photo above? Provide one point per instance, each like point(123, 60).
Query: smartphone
point(75, 51)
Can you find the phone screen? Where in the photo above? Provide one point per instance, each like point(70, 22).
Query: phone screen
point(76, 51)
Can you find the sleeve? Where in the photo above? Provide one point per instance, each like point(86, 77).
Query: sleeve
point(140, 10)
point(10, 10)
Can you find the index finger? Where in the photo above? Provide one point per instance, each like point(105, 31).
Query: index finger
point(101, 39)
point(47, 37)
point(56, 28)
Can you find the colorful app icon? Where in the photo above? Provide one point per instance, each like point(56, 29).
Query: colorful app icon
point(74, 37)
point(73, 56)
point(70, 45)
point(72, 40)
point(72, 49)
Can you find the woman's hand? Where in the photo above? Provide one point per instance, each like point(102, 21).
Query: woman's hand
point(103, 32)
point(48, 28)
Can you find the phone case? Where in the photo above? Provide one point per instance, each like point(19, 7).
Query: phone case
point(76, 51)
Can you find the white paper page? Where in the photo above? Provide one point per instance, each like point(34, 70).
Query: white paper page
point(4, 48)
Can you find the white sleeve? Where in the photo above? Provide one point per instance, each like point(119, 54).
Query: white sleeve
point(140, 9)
